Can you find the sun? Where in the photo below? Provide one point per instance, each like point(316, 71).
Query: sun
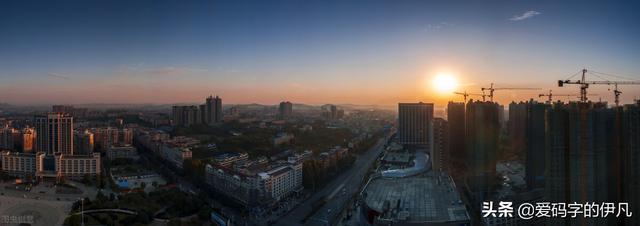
point(445, 83)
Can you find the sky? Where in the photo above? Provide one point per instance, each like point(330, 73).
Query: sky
point(315, 52)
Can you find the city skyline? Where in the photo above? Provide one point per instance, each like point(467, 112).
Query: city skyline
point(317, 113)
point(312, 52)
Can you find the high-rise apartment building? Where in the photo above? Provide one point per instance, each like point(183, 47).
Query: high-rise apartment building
point(456, 121)
point(54, 133)
point(535, 143)
point(209, 113)
point(516, 126)
point(186, 115)
point(285, 110)
point(213, 110)
point(9, 137)
point(27, 140)
point(17, 140)
point(440, 156)
point(202, 110)
point(332, 112)
point(85, 141)
point(125, 136)
point(630, 155)
point(590, 157)
point(415, 124)
point(481, 139)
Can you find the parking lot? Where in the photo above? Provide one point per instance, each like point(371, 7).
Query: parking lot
point(43, 204)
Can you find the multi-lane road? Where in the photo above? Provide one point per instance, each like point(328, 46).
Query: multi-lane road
point(337, 193)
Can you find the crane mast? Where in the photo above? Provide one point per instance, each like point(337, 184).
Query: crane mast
point(491, 89)
point(550, 95)
point(584, 85)
point(465, 95)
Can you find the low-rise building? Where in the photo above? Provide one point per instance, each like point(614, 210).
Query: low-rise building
point(151, 140)
point(122, 152)
point(229, 158)
point(256, 183)
point(178, 149)
point(282, 138)
point(175, 154)
point(106, 137)
point(77, 166)
point(174, 150)
point(132, 177)
point(430, 199)
point(18, 164)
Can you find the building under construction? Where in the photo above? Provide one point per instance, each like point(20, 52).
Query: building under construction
point(593, 156)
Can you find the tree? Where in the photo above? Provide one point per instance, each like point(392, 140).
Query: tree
point(175, 222)
point(101, 198)
point(101, 181)
point(73, 220)
point(86, 179)
point(195, 221)
point(203, 214)
point(143, 217)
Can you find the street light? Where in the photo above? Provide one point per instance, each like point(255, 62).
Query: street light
point(82, 211)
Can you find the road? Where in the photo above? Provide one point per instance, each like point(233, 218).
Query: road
point(349, 181)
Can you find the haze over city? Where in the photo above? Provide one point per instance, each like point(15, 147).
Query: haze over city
point(307, 52)
point(319, 113)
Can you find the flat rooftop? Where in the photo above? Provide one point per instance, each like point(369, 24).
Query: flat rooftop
point(430, 197)
point(405, 157)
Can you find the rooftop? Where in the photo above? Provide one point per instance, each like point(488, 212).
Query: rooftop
point(404, 157)
point(431, 197)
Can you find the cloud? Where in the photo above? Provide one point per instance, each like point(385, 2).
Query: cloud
point(524, 16)
point(438, 26)
point(60, 76)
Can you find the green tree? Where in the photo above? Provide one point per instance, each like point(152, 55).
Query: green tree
point(174, 222)
point(101, 198)
point(204, 213)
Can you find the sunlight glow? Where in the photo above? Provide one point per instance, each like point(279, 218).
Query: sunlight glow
point(445, 83)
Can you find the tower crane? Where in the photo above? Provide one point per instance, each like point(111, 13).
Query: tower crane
point(550, 96)
point(584, 84)
point(465, 95)
point(491, 89)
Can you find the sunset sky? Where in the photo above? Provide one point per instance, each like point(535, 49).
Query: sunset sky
point(361, 52)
